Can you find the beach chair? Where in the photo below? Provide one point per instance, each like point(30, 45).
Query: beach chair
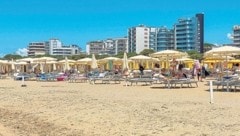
point(78, 77)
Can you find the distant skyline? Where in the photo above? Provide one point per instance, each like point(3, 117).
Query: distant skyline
point(81, 21)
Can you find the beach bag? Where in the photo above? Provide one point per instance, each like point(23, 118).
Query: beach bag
point(206, 73)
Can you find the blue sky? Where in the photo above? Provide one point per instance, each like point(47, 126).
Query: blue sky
point(80, 21)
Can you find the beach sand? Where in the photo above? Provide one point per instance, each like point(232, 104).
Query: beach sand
point(81, 109)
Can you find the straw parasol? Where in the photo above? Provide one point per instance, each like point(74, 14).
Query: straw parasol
point(168, 54)
point(66, 64)
point(44, 59)
point(142, 58)
point(12, 65)
point(223, 51)
point(94, 62)
point(84, 61)
point(125, 61)
point(25, 60)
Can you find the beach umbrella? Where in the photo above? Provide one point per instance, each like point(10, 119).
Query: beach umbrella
point(66, 64)
point(109, 61)
point(224, 51)
point(167, 54)
point(12, 65)
point(44, 59)
point(41, 68)
point(3, 61)
point(125, 61)
point(94, 62)
point(30, 60)
point(109, 58)
point(142, 58)
point(64, 61)
point(84, 61)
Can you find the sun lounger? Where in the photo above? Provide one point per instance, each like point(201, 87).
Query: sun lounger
point(78, 77)
point(141, 80)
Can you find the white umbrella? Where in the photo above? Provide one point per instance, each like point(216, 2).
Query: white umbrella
point(66, 64)
point(84, 61)
point(4, 62)
point(224, 50)
point(94, 62)
point(141, 58)
point(125, 61)
point(109, 58)
point(44, 59)
point(25, 60)
point(12, 65)
point(41, 68)
point(69, 61)
point(167, 54)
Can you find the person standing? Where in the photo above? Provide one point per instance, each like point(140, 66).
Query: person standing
point(141, 69)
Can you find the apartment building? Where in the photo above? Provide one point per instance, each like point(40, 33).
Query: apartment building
point(36, 48)
point(189, 33)
point(186, 34)
point(236, 35)
point(52, 47)
point(111, 46)
point(165, 39)
point(138, 38)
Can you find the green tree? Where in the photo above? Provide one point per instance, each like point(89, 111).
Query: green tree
point(194, 54)
point(131, 54)
point(119, 55)
point(12, 56)
point(147, 52)
point(208, 46)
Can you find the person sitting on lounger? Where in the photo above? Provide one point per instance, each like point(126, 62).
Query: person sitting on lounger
point(180, 74)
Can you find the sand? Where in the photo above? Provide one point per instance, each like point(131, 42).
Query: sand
point(81, 109)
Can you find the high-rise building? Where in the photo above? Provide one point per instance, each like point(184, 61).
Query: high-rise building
point(57, 48)
point(138, 38)
point(236, 35)
point(52, 47)
point(165, 39)
point(108, 46)
point(189, 33)
point(36, 48)
point(95, 47)
point(120, 45)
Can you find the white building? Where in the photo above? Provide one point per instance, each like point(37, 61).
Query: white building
point(138, 38)
point(236, 35)
point(109, 46)
point(57, 48)
point(52, 47)
point(36, 48)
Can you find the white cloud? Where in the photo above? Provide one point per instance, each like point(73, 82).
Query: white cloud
point(230, 36)
point(216, 44)
point(22, 51)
